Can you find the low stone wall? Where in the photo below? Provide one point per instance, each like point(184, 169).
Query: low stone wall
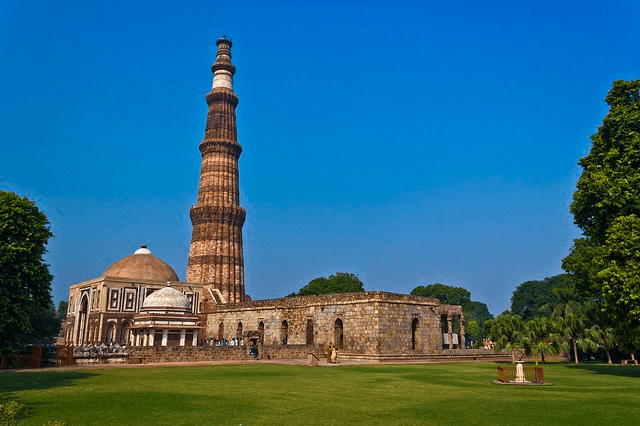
point(219, 353)
point(290, 351)
point(189, 354)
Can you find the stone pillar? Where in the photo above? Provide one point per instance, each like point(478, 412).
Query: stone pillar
point(165, 336)
point(183, 334)
point(450, 330)
point(152, 333)
point(463, 337)
point(195, 338)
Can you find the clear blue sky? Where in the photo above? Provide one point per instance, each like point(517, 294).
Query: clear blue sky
point(406, 142)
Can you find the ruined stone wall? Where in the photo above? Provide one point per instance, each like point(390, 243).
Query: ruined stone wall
point(376, 323)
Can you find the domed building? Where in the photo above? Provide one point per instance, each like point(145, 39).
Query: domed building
point(166, 319)
point(102, 310)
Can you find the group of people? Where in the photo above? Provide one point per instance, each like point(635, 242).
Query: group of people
point(332, 355)
point(224, 342)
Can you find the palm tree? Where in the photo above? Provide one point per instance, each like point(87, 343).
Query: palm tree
point(605, 337)
point(507, 331)
point(541, 337)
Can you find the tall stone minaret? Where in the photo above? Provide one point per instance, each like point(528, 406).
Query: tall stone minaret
point(215, 256)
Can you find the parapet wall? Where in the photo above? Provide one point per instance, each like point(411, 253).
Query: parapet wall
point(329, 299)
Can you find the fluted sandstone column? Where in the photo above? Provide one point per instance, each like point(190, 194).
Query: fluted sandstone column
point(215, 256)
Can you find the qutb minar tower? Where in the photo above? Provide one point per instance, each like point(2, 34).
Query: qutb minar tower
point(215, 256)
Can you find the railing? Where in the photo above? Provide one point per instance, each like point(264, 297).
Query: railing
point(33, 360)
point(532, 373)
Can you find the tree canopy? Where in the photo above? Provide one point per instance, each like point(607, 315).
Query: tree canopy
point(473, 311)
point(606, 207)
point(536, 298)
point(444, 293)
point(341, 282)
point(25, 281)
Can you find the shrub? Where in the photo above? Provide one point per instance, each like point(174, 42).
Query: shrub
point(11, 413)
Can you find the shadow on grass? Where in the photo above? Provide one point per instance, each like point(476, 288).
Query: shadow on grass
point(15, 382)
point(612, 370)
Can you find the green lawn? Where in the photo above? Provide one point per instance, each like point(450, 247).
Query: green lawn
point(438, 394)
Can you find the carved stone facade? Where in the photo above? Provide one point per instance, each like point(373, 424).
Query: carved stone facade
point(102, 310)
point(215, 255)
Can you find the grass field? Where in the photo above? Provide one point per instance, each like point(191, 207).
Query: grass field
point(257, 394)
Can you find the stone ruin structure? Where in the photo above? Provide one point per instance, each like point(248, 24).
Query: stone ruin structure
point(131, 303)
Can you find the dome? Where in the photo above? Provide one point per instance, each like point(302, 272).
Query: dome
point(167, 300)
point(142, 265)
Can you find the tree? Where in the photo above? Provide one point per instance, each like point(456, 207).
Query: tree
point(341, 282)
point(605, 207)
point(573, 326)
point(25, 281)
point(63, 307)
point(476, 311)
point(536, 298)
point(618, 278)
point(541, 337)
point(447, 294)
point(507, 331)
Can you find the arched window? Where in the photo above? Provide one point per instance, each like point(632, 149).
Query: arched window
point(338, 335)
point(239, 331)
point(414, 330)
point(284, 332)
point(261, 330)
point(221, 331)
point(309, 332)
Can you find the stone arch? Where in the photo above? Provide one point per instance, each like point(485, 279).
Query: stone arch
point(221, 331)
point(125, 333)
point(338, 334)
point(284, 332)
point(309, 331)
point(83, 311)
point(239, 330)
point(414, 333)
point(110, 334)
point(261, 330)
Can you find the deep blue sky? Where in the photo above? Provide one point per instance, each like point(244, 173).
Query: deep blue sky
point(406, 142)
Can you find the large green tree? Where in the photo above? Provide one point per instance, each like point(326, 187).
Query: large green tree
point(25, 281)
point(605, 207)
point(341, 282)
point(444, 293)
point(536, 298)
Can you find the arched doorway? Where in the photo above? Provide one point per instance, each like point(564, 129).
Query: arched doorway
point(414, 330)
point(309, 332)
point(239, 331)
point(84, 305)
point(124, 333)
point(284, 332)
point(338, 334)
point(261, 330)
point(109, 333)
point(221, 331)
